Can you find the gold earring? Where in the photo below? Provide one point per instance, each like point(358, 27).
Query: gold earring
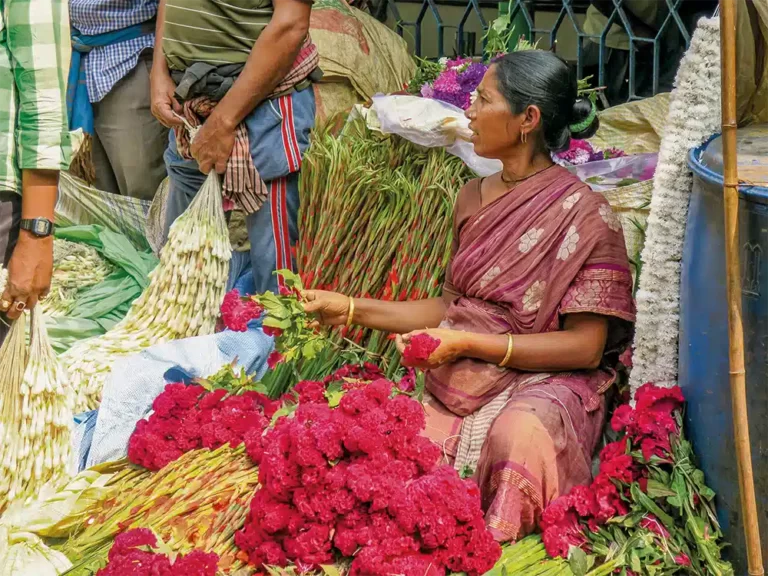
point(524, 137)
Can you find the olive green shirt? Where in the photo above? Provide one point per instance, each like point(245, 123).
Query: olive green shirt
point(213, 31)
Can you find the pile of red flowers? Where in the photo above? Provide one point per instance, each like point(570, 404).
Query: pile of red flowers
point(132, 554)
point(647, 428)
point(186, 418)
point(359, 480)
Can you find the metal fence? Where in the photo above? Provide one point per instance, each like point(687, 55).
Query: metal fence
point(645, 55)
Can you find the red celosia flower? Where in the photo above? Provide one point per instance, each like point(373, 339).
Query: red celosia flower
point(682, 560)
point(619, 468)
point(359, 480)
point(664, 400)
point(274, 359)
point(613, 450)
point(236, 312)
point(653, 524)
point(126, 559)
point(274, 332)
point(187, 418)
point(420, 348)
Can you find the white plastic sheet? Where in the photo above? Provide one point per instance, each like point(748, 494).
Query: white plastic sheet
point(429, 123)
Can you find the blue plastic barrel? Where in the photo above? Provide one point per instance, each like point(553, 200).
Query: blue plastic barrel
point(704, 368)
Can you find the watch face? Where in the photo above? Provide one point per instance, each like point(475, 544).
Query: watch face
point(41, 227)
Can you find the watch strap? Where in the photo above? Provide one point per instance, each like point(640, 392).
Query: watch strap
point(38, 226)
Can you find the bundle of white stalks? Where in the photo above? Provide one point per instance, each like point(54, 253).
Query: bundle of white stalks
point(35, 412)
point(182, 300)
point(75, 266)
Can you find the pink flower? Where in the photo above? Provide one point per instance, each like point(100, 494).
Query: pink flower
point(274, 359)
point(626, 357)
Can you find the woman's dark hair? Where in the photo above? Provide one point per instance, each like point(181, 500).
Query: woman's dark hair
point(544, 80)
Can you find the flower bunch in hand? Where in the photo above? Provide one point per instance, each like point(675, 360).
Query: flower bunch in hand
point(359, 480)
point(648, 511)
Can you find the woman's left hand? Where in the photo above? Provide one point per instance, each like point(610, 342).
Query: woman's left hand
point(453, 345)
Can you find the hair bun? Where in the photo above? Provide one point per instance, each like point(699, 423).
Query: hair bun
point(584, 122)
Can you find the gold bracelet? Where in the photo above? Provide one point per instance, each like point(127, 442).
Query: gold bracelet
point(350, 311)
point(510, 345)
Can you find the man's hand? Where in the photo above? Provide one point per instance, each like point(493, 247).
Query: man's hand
point(29, 274)
point(212, 145)
point(163, 102)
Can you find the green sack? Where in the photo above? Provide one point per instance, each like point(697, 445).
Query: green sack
point(101, 306)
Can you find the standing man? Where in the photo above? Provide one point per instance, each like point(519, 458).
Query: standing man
point(110, 93)
point(34, 144)
point(243, 70)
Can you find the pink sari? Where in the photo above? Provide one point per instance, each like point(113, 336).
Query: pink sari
point(548, 248)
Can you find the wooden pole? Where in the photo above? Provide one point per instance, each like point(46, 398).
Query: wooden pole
point(733, 276)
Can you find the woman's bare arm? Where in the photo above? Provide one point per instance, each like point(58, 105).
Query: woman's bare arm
point(332, 309)
point(579, 346)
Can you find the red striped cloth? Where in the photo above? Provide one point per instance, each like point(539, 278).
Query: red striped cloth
point(242, 184)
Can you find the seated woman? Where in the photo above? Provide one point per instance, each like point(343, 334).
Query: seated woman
point(536, 304)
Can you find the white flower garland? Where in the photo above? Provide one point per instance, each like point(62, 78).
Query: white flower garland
point(694, 115)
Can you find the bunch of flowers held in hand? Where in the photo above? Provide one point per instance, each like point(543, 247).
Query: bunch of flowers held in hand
point(360, 481)
point(139, 553)
point(283, 318)
point(648, 511)
point(186, 418)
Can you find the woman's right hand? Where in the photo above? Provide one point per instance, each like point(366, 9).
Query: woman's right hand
point(331, 308)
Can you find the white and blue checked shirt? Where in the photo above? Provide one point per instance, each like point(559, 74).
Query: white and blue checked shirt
point(105, 66)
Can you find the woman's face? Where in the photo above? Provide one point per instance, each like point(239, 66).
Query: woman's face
point(496, 129)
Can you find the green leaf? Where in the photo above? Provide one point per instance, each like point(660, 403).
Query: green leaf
point(274, 322)
point(577, 560)
point(334, 393)
point(330, 570)
point(641, 498)
point(634, 562)
point(658, 490)
point(287, 410)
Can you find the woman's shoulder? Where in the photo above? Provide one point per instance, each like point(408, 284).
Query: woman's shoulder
point(468, 201)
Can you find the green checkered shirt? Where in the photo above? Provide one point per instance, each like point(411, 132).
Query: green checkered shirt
point(34, 62)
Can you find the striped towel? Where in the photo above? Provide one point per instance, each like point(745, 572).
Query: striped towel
point(475, 427)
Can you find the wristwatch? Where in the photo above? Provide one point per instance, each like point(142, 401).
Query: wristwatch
point(40, 227)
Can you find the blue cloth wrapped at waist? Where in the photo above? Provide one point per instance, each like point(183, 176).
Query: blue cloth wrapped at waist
point(79, 108)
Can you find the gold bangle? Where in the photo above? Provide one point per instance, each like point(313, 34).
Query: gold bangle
point(510, 345)
point(350, 311)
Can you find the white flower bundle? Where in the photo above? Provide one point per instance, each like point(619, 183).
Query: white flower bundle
point(694, 115)
point(35, 412)
point(182, 300)
point(75, 266)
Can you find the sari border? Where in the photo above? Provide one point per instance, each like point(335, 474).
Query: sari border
point(628, 316)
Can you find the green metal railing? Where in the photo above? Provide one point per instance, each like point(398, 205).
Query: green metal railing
point(646, 43)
